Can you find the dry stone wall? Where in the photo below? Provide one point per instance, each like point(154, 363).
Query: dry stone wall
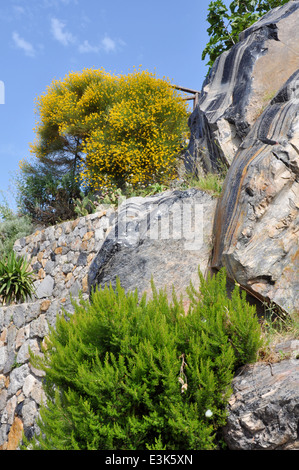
point(60, 257)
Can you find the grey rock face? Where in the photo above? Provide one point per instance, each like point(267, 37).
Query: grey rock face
point(240, 85)
point(257, 218)
point(166, 236)
point(247, 120)
point(264, 409)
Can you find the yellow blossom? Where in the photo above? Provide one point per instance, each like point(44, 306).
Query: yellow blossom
point(130, 126)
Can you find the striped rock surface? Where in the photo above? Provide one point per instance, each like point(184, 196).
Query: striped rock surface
point(240, 85)
point(256, 224)
point(167, 237)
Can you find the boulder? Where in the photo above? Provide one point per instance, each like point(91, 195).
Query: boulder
point(256, 231)
point(166, 237)
point(263, 411)
point(241, 83)
point(247, 121)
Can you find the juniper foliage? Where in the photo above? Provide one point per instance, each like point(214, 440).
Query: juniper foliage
point(132, 374)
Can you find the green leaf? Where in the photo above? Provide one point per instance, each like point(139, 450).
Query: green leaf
point(225, 25)
point(16, 282)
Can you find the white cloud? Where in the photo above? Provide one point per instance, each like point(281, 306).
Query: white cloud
point(21, 43)
point(85, 47)
point(57, 3)
point(59, 33)
point(66, 2)
point(19, 10)
point(108, 44)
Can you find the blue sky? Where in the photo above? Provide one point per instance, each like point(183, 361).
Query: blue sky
point(45, 39)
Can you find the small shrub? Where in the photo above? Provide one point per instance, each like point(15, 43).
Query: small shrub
point(16, 281)
point(11, 230)
point(12, 227)
point(211, 183)
point(278, 326)
point(86, 204)
point(115, 197)
point(130, 374)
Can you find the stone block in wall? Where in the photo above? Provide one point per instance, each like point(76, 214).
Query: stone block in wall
point(39, 327)
point(3, 357)
point(17, 378)
point(23, 354)
point(29, 413)
point(45, 289)
point(15, 434)
point(32, 388)
point(3, 398)
point(19, 316)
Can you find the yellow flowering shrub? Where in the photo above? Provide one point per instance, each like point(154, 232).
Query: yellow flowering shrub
point(69, 110)
point(114, 129)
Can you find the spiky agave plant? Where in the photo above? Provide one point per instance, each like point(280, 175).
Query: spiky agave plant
point(16, 281)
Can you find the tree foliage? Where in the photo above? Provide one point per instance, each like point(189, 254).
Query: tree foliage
point(47, 194)
point(12, 227)
point(128, 374)
point(227, 23)
point(108, 130)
